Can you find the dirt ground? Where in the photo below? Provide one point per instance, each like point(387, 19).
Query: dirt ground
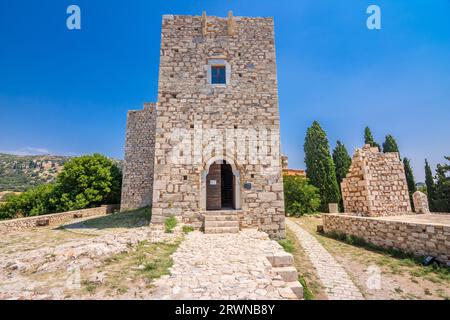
point(109, 257)
point(400, 278)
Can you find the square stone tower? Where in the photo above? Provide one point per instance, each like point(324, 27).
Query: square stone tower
point(217, 141)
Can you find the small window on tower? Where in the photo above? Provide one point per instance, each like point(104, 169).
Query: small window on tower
point(218, 75)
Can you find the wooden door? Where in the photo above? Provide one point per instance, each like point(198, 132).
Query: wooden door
point(214, 188)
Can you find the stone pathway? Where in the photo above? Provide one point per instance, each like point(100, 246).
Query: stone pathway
point(337, 283)
point(224, 266)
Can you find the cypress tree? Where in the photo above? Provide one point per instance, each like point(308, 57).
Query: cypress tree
point(319, 165)
point(368, 138)
point(431, 187)
point(409, 180)
point(342, 162)
point(390, 145)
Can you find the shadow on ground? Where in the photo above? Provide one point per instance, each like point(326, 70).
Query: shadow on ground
point(126, 219)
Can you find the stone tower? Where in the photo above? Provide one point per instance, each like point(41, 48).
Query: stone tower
point(216, 135)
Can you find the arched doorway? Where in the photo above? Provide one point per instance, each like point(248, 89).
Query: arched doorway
point(221, 186)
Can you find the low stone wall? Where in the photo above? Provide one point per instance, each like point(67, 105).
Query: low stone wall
point(54, 218)
point(421, 239)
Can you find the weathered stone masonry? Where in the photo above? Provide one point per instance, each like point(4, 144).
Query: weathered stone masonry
point(137, 182)
point(189, 101)
point(418, 238)
point(376, 184)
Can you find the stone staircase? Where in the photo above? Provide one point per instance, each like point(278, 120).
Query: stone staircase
point(223, 221)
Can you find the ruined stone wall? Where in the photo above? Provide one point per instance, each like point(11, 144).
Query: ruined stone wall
point(137, 184)
point(376, 184)
point(421, 239)
point(54, 218)
point(188, 101)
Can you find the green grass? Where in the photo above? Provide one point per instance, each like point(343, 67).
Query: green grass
point(307, 294)
point(170, 223)
point(187, 229)
point(160, 258)
point(126, 219)
point(147, 261)
point(287, 245)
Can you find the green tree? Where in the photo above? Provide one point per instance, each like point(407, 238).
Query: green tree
point(88, 181)
point(320, 166)
point(431, 187)
point(442, 195)
point(300, 197)
point(84, 182)
point(409, 180)
point(368, 138)
point(342, 162)
point(390, 145)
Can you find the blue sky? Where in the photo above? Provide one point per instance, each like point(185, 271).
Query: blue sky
point(67, 92)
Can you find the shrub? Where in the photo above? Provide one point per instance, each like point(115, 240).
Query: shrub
point(170, 223)
point(299, 196)
point(84, 182)
point(35, 201)
point(88, 181)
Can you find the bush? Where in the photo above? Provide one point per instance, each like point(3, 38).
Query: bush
point(88, 181)
point(300, 197)
point(170, 223)
point(84, 182)
point(36, 201)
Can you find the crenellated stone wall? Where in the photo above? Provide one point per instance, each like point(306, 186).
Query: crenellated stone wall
point(137, 184)
point(376, 184)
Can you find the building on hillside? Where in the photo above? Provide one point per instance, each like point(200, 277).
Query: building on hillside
point(208, 151)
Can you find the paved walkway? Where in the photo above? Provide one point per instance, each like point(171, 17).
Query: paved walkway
point(337, 283)
point(223, 266)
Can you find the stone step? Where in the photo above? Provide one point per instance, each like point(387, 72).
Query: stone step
point(281, 259)
point(288, 274)
point(221, 218)
point(217, 224)
point(221, 212)
point(222, 230)
point(297, 288)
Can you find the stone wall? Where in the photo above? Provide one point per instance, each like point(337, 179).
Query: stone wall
point(376, 184)
point(188, 102)
point(137, 184)
point(418, 238)
point(54, 218)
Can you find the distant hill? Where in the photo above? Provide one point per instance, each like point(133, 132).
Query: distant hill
point(18, 173)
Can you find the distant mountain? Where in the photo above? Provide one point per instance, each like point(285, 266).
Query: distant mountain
point(18, 173)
